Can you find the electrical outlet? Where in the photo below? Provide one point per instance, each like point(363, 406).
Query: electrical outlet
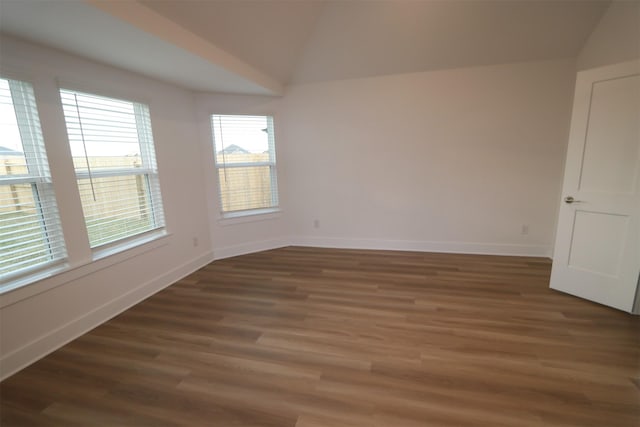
point(196, 242)
point(316, 223)
point(525, 229)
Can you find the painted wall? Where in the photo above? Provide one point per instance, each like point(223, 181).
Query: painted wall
point(38, 318)
point(455, 160)
point(615, 39)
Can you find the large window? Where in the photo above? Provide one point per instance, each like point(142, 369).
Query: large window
point(114, 159)
point(245, 160)
point(30, 232)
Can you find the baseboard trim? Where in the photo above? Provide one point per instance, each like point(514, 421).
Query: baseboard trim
point(425, 246)
point(40, 347)
point(248, 248)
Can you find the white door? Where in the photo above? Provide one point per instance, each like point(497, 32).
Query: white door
point(597, 250)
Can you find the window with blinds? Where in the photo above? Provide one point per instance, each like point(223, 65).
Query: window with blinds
point(245, 160)
point(30, 232)
point(114, 159)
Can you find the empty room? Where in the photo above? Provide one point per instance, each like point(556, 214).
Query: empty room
point(319, 213)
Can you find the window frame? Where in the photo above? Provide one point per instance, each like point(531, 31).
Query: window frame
point(80, 260)
point(271, 163)
point(38, 176)
point(148, 170)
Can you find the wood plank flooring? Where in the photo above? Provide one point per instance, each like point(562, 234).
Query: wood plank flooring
point(323, 337)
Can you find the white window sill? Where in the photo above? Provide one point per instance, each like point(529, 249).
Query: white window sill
point(129, 244)
point(47, 279)
point(250, 216)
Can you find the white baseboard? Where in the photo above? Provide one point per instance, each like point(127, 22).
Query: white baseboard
point(40, 347)
point(425, 246)
point(251, 247)
point(379, 244)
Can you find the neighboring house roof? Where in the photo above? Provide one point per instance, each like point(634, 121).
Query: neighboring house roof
point(233, 149)
point(4, 151)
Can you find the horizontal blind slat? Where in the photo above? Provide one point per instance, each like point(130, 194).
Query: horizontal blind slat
point(30, 231)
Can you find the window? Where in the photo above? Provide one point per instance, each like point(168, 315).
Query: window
point(114, 159)
point(245, 160)
point(30, 233)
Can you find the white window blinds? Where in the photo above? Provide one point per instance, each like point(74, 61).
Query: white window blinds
point(245, 159)
point(30, 232)
point(114, 158)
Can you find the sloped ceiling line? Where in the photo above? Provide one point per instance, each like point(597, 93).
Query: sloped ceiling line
point(259, 46)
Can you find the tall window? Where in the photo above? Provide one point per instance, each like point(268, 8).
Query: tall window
point(30, 232)
point(114, 159)
point(245, 159)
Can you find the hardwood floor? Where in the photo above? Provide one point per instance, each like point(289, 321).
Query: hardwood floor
point(323, 337)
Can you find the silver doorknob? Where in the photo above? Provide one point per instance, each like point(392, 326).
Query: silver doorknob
point(570, 199)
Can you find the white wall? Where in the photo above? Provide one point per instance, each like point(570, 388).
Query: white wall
point(615, 39)
point(38, 318)
point(456, 160)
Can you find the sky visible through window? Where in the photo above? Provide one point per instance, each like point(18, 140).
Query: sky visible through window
point(251, 136)
point(8, 122)
point(120, 142)
point(246, 132)
point(98, 126)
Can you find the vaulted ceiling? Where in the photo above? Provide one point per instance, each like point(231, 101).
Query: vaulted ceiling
point(247, 46)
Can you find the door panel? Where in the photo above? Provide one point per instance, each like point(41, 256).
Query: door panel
point(597, 242)
point(611, 146)
point(597, 251)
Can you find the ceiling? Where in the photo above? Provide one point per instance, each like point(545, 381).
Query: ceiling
point(260, 46)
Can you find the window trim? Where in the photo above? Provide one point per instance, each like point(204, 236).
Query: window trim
point(83, 262)
point(146, 143)
point(264, 215)
point(245, 215)
point(38, 176)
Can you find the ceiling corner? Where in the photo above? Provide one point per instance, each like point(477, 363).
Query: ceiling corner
point(151, 22)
